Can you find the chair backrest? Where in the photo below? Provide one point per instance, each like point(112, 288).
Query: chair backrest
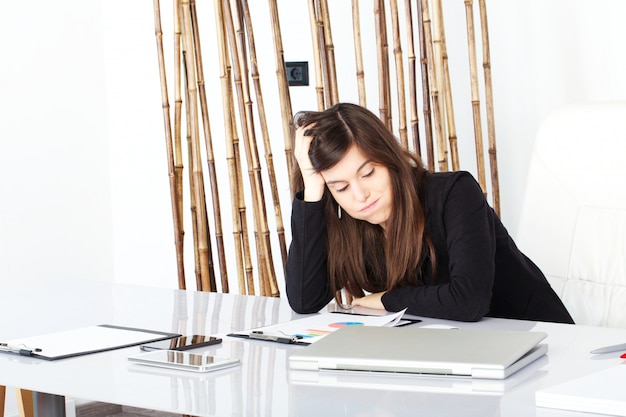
point(573, 222)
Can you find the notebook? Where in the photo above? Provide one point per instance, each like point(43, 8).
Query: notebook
point(471, 353)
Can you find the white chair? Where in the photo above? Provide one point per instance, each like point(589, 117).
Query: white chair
point(573, 222)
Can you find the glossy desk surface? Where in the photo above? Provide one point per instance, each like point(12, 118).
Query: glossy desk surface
point(262, 385)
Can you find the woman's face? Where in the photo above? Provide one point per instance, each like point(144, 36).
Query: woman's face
point(361, 187)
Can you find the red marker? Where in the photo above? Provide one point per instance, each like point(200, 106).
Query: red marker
point(623, 356)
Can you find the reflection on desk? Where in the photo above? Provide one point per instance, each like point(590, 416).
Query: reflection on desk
point(307, 401)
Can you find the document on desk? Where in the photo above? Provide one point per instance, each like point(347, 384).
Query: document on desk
point(601, 393)
point(82, 341)
point(312, 328)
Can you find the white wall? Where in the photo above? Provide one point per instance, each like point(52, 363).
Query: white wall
point(84, 188)
point(55, 170)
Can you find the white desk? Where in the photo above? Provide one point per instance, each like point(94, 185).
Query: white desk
point(263, 384)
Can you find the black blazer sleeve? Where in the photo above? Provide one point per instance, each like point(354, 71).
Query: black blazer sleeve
point(460, 224)
point(305, 272)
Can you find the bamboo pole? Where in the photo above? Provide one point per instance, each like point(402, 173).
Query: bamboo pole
point(478, 134)
point(319, 16)
point(283, 88)
point(442, 158)
point(238, 221)
point(263, 244)
point(317, 60)
point(201, 216)
point(329, 52)
point(178, 104)
point(264, 254)
point(208, 142)
point(242, 213)
point(358, 52)
point(174, 197)
point(397, 52)
point(193, 205)
point(382, 49)
point(387, 71)
point(435, 24)
point(269, 159)
point(242, 210)
point(447, 89)
point(428, 127)
point(243, 207)
point(244, 105)
point(491, 130)
point(414, 123)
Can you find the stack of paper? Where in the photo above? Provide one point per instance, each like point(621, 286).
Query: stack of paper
point(602, 392)
point(316, 326)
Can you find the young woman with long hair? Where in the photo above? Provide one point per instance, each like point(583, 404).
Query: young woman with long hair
point(370, 220)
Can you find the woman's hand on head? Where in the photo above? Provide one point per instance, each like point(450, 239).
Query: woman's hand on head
point(370, 301)
point(313, 181)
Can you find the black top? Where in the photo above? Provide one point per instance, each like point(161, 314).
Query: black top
point(480, 270)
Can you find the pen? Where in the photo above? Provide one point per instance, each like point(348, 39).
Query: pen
point(608, 349)
point(19, 349)
point(280, 338)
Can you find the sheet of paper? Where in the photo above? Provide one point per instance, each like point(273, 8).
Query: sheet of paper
point(602, 392)
point(315, 327)
point(85, 340)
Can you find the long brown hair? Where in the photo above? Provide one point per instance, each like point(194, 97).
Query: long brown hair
point(363, 255)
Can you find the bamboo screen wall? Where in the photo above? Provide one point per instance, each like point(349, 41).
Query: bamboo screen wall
point(413, 96)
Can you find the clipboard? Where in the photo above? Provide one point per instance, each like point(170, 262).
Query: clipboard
point(82, 341)
point(310, 329)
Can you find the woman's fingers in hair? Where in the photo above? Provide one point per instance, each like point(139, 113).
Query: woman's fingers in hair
point(302, 146)
point(313, 181)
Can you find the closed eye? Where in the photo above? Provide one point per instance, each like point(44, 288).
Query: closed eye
point(370, 173)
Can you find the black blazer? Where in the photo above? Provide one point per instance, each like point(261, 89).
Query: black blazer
point(480, 270)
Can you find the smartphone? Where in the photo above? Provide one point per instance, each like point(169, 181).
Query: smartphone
point(182, 343)
point(181, 360)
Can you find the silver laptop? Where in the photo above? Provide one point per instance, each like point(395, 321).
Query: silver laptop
point(472, 353)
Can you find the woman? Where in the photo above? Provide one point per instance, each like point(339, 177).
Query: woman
point(370, 219)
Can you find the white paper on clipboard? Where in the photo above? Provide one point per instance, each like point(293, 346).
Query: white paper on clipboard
point(82, 341)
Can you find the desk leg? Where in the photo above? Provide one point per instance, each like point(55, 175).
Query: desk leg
point(25, 402)
point(48, 405)
point(3, 392)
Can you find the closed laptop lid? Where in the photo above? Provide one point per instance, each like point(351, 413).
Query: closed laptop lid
point(415, 383)
point(478, 353)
